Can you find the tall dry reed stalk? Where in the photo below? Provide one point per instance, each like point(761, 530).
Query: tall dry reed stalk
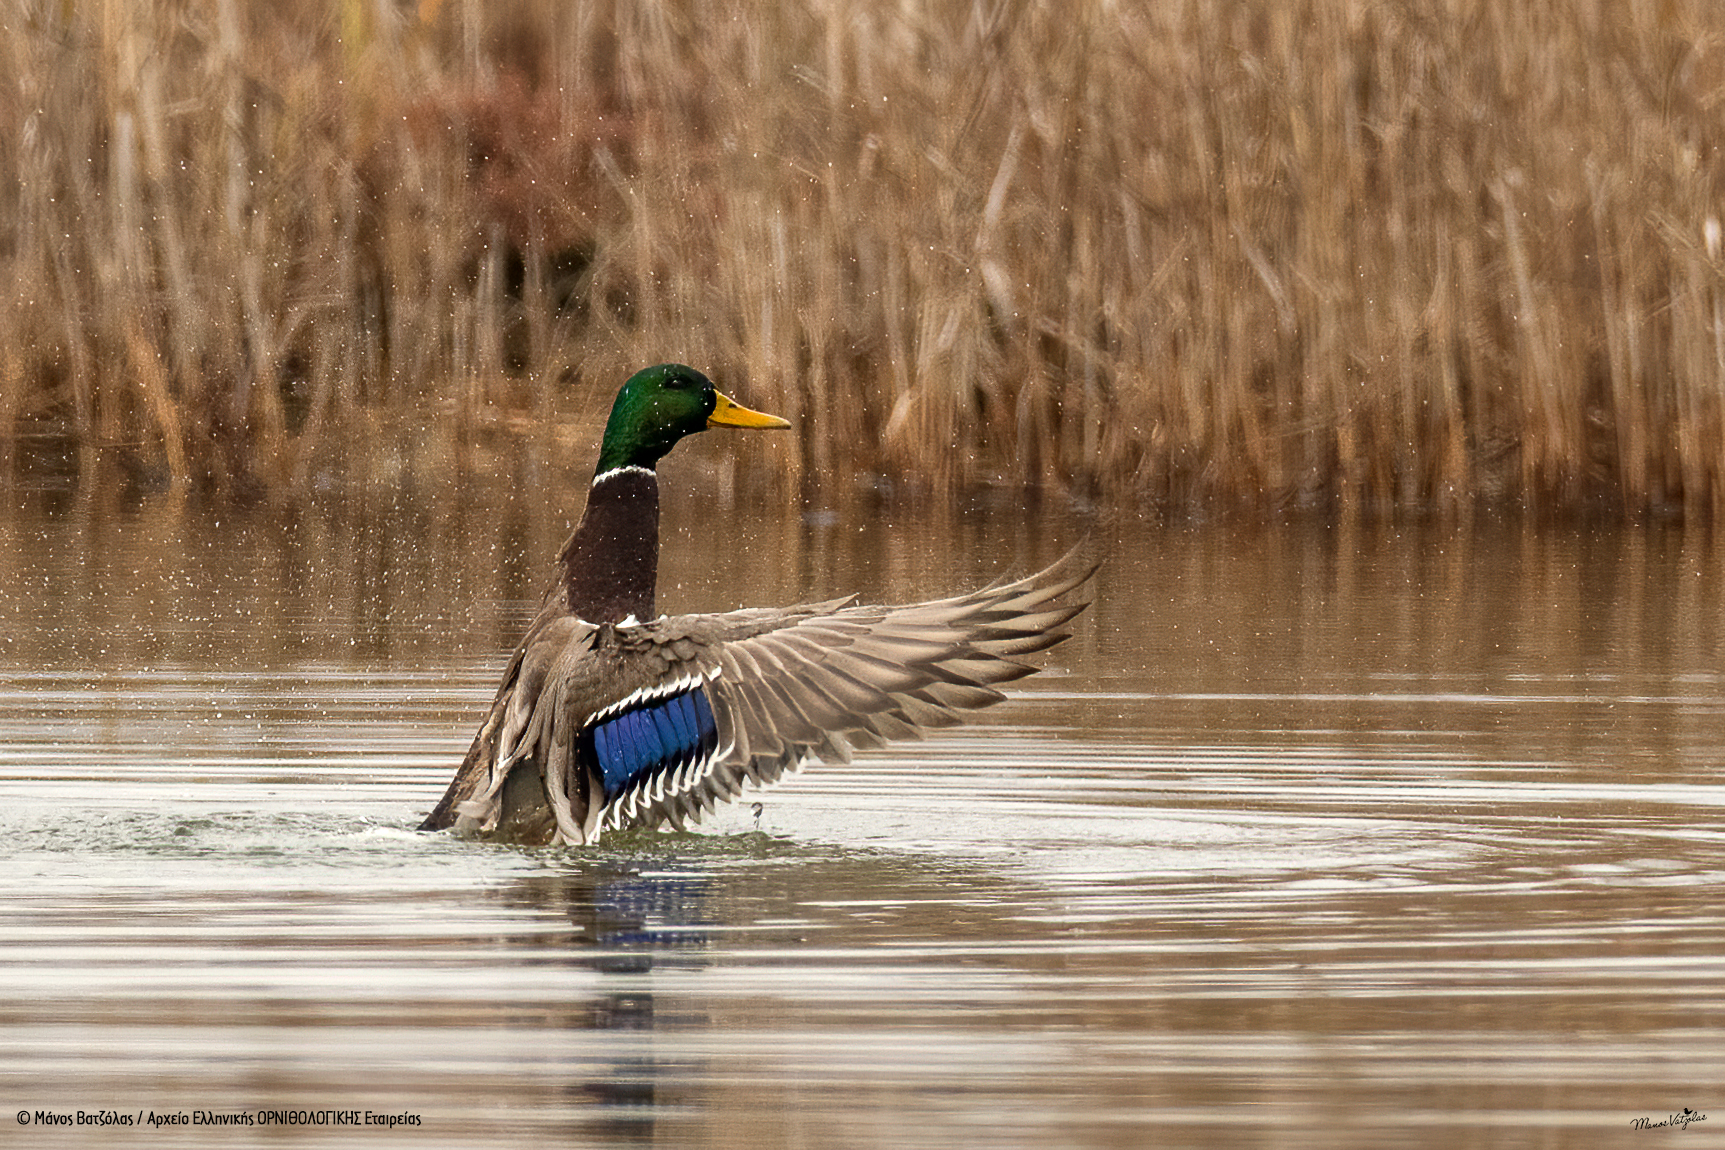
point(1261, 254)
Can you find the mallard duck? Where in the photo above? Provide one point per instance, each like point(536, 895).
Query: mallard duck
point(610, 717)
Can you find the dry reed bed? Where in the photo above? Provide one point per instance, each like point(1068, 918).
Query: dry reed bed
point(1259, 253)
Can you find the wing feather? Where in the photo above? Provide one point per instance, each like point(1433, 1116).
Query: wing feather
point(782, 687)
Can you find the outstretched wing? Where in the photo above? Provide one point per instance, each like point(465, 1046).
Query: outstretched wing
point(859, 676)
point(603, 727)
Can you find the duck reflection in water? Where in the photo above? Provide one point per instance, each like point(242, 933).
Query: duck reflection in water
point(625, 923)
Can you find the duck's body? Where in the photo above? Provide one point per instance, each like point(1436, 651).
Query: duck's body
point(609, 717)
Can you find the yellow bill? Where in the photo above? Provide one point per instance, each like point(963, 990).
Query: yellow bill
point(728, 413)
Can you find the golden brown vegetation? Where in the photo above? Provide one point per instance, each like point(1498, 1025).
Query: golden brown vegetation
point(1255, 253)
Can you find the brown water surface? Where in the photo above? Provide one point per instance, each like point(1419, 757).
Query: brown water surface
point(1313, 837)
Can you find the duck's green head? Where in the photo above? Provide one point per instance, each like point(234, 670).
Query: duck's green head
point(659, 406)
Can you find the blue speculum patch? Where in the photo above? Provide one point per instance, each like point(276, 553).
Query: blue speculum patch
point(653, 737)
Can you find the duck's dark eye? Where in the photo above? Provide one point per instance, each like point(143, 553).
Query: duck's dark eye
point(676, 382)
